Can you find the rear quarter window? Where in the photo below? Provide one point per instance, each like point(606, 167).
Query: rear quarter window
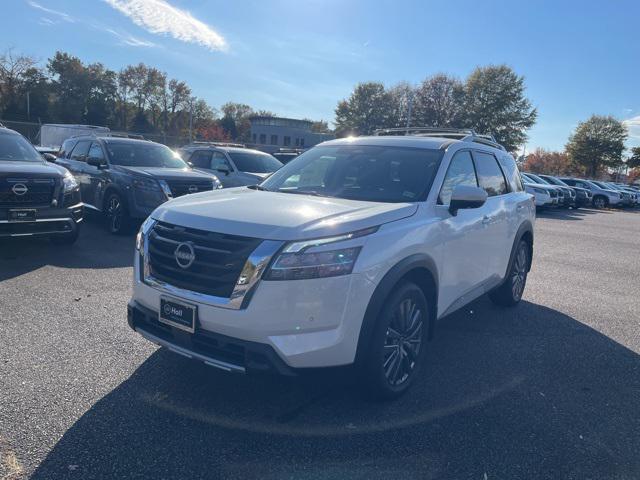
point(511, 172)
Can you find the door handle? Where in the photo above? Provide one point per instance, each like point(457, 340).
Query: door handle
point(520, 207)
point(486, 220)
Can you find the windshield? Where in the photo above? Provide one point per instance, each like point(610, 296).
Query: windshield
point(255, 162)
point(15, 148)
point(537, 179)
point(375, 174)
point(131, 154)
point(554, 181)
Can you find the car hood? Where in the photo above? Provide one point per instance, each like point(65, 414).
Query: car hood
point(31, 169)
point(277, 216)
point(166, 173)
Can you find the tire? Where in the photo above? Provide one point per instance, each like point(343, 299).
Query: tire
point(398, 344)
point(116, 215)
point(66, 238)
point(510, 292)
point(600, 202)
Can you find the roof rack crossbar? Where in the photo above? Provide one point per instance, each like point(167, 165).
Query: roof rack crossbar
point(462, 134)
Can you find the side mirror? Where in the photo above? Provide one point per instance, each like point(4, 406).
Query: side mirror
point(96, 162)
point(464, 197)
point(190, 164)
point(49, 157)
point(223, 169)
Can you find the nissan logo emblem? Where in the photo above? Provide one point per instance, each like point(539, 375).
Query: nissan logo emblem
point(185, 255)
point(193, 189)
point(19, 189)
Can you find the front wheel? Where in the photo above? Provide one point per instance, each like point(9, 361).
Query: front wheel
point(600, 202)
point(398, 343)
point(117, 215)
point(510, 292)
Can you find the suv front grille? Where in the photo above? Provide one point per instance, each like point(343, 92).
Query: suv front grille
point(39, 192)
point(182, 187)
point(553, 193)
point(219, 258)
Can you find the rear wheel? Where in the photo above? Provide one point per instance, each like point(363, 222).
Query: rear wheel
point(600, 202)
point(510, 292)
point(398, 343)
point(117, 215)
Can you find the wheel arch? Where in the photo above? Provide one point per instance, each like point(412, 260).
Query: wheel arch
point(418, 268)
point(112, 188)
point(525, 232)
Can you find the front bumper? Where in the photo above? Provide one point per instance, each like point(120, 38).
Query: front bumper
point(49, 221)
point(307, 323)
point(220, 351)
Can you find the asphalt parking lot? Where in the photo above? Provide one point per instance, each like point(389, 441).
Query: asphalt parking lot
point(550, 389)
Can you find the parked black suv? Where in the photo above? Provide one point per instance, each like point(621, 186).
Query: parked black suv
point(36, 197)
point(126, 178)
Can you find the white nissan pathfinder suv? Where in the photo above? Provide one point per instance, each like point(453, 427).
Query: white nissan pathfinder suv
point(347, 255)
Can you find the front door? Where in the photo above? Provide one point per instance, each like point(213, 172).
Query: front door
point(465, 252)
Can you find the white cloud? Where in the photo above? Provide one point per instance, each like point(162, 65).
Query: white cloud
point(127, 39)
point(158, 16)
point(63, 16)
point(633, 126)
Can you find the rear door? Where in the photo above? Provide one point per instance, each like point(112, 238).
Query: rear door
point(500, 212)
point(76, 163)
point(96, 177)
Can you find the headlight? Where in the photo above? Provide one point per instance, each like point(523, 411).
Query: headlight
point(146, 226)
point(297, 263)
point(69, 182)
point(300, 266)
point(216, 182)
point(146, 184)
point(539, 190)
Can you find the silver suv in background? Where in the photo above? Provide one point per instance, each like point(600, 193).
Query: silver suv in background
point(602, 197)
point(234, 165)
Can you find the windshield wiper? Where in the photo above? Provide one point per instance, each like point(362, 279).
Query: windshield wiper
point(313, 193)
point(258, 187)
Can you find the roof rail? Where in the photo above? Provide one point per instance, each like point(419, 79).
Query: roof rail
point(216, 144)
point(463, 134)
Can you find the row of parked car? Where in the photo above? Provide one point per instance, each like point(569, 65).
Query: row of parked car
point(123, 179)
point(568, 192)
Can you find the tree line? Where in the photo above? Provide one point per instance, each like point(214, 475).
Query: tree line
point(594, 149)
point(138, 98)
point(490, 100)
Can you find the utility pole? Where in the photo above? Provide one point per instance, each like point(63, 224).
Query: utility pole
point(28, 106)
point(191, 120)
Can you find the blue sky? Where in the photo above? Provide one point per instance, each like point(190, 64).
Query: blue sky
point(299, 57)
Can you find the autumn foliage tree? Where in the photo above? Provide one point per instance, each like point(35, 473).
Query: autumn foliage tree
point(549, 162)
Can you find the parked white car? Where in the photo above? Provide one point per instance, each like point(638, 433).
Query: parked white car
point(348, 255)
point(543, 196)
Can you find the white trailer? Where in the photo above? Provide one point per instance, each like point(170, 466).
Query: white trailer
point(52, 134)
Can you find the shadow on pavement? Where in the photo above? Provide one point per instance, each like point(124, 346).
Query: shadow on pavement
point(518, 393)
point(95, 248)
point(568, 214)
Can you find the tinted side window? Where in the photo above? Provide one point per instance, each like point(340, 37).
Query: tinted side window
point(220, 160)
point(201, 159)
point(460, 172)
point(96, 151)
point(80, 151)
point(65, 149)
point(510, 170)
point(490, 176)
